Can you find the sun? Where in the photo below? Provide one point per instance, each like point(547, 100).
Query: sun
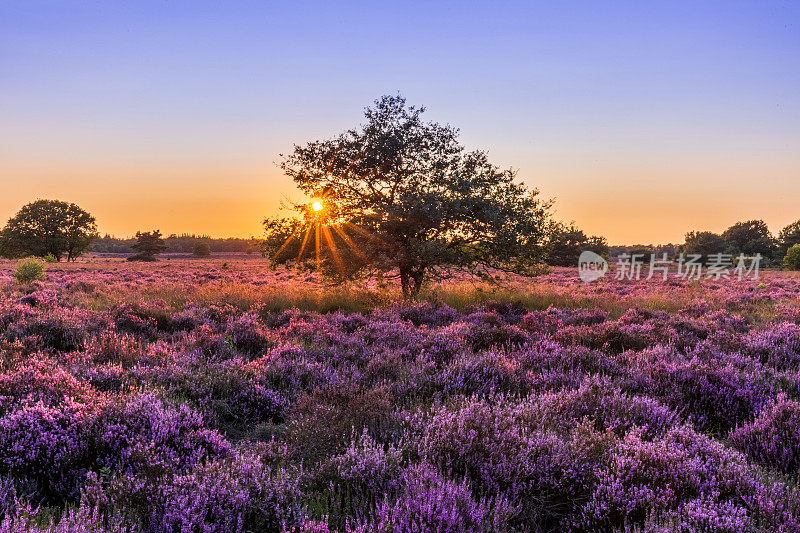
point(317, 206)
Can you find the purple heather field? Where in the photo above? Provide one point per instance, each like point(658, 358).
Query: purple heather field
point(221, 396)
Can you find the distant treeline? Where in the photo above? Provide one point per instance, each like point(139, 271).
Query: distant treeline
point(645, 249)
point(176, 244)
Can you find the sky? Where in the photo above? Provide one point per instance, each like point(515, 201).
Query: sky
point(642, 121)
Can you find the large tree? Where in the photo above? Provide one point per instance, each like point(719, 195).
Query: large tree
point(750, 238)
point(788, 237)
point(401, 196)
point(704, 243)
point(48, 227)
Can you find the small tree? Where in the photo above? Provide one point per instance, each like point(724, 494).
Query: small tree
point(148, 245)
point(48, 227)
point(201, 249)
point(400, 196)
point(29, 270)
point(792, 259)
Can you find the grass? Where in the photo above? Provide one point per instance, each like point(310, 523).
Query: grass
point(249, 284)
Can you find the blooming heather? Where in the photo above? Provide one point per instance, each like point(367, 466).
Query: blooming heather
point(189, 397)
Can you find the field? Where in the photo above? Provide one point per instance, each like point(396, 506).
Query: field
point(219, 395)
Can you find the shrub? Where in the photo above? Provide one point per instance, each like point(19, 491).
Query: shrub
point(323, 420)
point(773, 438)
point(429, 502)
point(604, 404)
point(643, 478)
point(201, 249)
point(48, 448)
point(29, 270)
point(356, 482)
point(791, 260)
point(240, 494)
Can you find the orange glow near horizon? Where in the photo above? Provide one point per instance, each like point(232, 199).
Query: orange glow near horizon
point(223, 199)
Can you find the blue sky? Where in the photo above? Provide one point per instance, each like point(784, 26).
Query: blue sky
point(643, 121)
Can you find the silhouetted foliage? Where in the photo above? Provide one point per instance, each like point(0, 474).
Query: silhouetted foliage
point(788, 237)
point(148, 245)
point(566, 243)
point(201, 249)
point(402, 196)
point(750, 238)
point(48, 227)
point(704, 243)
point(176, 244)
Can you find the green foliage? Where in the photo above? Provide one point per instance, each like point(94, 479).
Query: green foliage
point(201, 249)
point(50, 258)
point(788, 237)
point(48, 227)
point(791, 260)
point(750, 238)
point(565, 244)
point(148, 245)
point(29, 270)
point(704, 243)
point(642, 250)
point(402, 195)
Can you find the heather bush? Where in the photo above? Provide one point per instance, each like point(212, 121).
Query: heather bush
point(81, 519)
point(114, 347)
point(429, 502)
point(322, 421)
point(48, 448)
point(145, 434)
point(41, 381)
point(351, 486)
point(482, 374)
point(716, 398)
point(604, 404)
point(427, 314)
point(773, 438)
point(538, 472)
point(643, 477)
point(186, 399)
point(778, 346)
point(243, 493)
point(487, 329)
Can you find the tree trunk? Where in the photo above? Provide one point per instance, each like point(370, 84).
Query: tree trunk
point(417, 276)
point(405, 282)
point(411, 281)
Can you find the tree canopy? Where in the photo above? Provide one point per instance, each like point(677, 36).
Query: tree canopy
point(750, 238)
point(788, 237)
point(704, 243)
point(148, 245)
point(402, 196)
point(565, 244)
point(48, 227)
